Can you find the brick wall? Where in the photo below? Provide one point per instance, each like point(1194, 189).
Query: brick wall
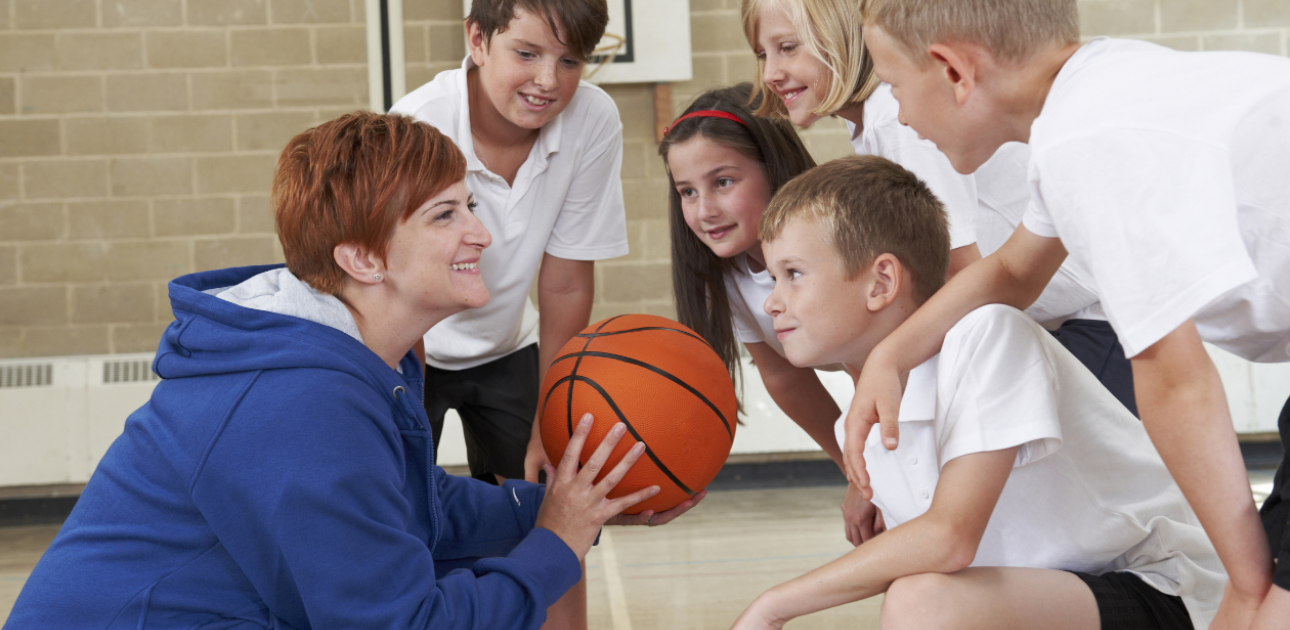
point(137, 139)
point(137, 142)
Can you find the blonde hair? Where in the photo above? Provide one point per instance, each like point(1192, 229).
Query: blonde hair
point(1012, 30)
point(830, 32)
point(869, 205)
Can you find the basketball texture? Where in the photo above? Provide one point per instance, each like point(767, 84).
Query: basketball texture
point(660, 379)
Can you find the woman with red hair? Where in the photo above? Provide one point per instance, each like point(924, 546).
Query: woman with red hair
point(281, 474)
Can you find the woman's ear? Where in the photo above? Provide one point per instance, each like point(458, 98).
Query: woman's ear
point(359, 263)
point(887, 281)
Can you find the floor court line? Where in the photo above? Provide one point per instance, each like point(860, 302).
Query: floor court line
point(729, 560)
point(614, 583)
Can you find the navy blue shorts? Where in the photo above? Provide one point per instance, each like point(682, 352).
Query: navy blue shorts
point(497, 402)
point(1126, 602)
point(1276, 509)
point(1095, 344)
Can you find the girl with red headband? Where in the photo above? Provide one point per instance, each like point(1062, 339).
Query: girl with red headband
point(724, 166)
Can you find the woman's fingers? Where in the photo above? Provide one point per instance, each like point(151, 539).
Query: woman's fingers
point(620, 469)
point(616, 506)
point(596, 463)
point(569, 461)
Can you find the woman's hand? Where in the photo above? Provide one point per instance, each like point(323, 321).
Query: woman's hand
point(758, 616)
point(650, 518)
point(877, 399)
point(575, 506)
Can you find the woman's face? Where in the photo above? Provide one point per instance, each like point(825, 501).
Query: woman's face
point(723, 194)
point(432, 263)
point(789, 71)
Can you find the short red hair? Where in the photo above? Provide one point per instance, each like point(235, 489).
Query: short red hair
point(351, 180)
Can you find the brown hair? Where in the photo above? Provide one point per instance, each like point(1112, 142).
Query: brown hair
point(830, 31)
point(578, 24)
point(1012, 30)
point(869, 206)
point(350, 180)
point(699, 275)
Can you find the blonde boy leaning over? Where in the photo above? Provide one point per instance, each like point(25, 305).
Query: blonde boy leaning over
point(1005, 502)
point(1161, 172)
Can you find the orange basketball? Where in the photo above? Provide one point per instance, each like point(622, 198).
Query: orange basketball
point(665, 383)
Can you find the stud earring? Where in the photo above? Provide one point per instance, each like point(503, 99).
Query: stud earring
point(377, 277)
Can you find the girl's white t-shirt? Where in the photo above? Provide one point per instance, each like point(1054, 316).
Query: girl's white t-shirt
point(747, 291)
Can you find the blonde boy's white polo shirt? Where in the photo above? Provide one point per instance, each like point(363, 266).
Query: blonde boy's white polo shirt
point(567, 201)
point(1088, 491)
point(1167, 174)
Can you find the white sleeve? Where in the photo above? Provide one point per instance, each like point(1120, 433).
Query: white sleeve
point(995, 388)
point(957, 192)
point(747, 330)
point(1152, 216)
point(593, 222)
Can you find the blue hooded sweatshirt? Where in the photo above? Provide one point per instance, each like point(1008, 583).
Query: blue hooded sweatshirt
point(281, 477)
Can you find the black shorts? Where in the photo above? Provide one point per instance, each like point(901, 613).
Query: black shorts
point(496, 402)
point(1276, 509)
point(1126, 602)
point(1095, 344)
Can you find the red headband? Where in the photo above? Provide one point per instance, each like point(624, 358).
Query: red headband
point(706, 113)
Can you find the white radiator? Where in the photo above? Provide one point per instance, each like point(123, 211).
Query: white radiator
point(59, 415)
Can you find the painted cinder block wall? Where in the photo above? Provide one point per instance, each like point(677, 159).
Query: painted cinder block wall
point(138, 137)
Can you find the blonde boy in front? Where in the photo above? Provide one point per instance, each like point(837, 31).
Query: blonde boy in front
point(1005, 502)
point(1161, 172)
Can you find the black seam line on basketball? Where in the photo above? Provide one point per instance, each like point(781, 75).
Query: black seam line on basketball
point(630, 429)
point(632, 330)
point(568, 408)
point(663, 373)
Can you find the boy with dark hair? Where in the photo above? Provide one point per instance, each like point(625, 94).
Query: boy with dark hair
point(543, 151)
point(1161, 172)
point(1005, 504)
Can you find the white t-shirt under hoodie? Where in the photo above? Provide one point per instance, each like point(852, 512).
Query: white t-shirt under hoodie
point(1001, 381)
point(1167, 175)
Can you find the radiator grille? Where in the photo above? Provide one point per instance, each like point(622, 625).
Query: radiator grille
point(26, 375)
point(128, 372)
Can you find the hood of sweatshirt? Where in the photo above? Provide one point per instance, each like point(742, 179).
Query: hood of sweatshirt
point(263, 318)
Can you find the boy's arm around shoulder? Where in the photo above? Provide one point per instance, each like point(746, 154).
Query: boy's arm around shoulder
point(297, 484)
point(942, 540)
point(1015, 275)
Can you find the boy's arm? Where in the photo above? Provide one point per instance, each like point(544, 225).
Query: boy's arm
point(1184, 410)
point(1015, 275)
point(962, 257)
point(566, 289)
point(942, 540)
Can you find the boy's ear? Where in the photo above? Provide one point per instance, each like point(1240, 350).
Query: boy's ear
point(887, 282)
point(476, 43)
point(956, 63)
point(358, 263)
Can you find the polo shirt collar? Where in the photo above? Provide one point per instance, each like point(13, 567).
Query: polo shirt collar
point(919, 401)
point(549, 135)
